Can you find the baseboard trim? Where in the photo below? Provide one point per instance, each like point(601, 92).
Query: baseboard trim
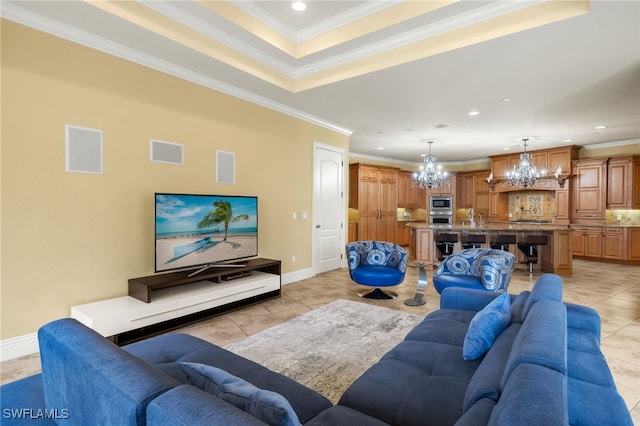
point(15, 347)
point(298, 275)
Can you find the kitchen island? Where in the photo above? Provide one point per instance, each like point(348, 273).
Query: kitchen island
point(555, 256)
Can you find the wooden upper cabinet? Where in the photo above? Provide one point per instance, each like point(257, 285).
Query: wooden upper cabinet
point(447, 187)
point(590, 185)
point(544, 159)
point(408, 192)
point(539, 160)
point(561, 157)
point(464, 190)
point(623, 183)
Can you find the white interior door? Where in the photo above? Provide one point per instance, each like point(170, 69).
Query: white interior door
point(329, 208)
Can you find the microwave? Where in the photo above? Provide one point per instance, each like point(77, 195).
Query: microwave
point(440, 203)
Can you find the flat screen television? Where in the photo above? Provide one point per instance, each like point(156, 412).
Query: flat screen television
point(194, 231)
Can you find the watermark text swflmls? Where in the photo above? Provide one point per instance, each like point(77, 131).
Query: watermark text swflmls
point(35, 413)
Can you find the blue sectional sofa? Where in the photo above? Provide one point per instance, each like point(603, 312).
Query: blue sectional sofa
point(542, 365)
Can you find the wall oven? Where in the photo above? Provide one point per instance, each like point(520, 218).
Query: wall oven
point(440, 210)
point(440, 220)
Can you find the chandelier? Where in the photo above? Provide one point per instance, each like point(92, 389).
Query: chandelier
point(430, 175)
point(524, 174)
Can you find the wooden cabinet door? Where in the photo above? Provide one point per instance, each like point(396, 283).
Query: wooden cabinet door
point(577, 243)
point(633, 244)
point(590, 186)
point(613, 244)
point(539, 161)
point(618, 183)
point(481, 194)
point(464, 191)
point(403, 235)
point(562, 206)
point(560, 159)
point(407, 193)
point(388, 203)
point(593, 244)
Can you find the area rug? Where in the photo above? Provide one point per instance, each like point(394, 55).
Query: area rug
point(328, 348)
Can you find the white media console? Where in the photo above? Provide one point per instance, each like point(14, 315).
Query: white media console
point(126, 319)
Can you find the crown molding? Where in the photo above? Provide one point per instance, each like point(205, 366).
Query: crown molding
point(32, 20)
point(319, 28)
point(611, 144)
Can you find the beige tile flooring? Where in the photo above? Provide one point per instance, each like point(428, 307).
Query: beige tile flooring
point(613, 290)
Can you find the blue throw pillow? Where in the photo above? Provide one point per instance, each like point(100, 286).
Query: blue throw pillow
point(270, 407)
point(486, 326)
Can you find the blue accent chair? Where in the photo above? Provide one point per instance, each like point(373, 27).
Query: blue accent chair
point(376, 264)
point(482, 269)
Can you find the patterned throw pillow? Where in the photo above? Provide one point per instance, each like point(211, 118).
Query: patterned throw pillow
point(270, 407)
point(486, 326)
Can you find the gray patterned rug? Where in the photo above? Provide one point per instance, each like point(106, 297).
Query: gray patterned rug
point(328, 348)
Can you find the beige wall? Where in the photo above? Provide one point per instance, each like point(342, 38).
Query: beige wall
point(71, 238)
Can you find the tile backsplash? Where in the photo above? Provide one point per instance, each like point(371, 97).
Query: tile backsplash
point(623, 217)
point(532, 205)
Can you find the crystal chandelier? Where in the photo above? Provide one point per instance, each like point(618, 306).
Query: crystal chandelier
point(430, 175)
point(524, 174)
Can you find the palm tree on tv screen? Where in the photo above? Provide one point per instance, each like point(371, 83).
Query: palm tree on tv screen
point(222, 214)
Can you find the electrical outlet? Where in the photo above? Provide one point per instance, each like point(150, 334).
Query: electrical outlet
point(294, 216)
point(293, 259)
point(619, 217)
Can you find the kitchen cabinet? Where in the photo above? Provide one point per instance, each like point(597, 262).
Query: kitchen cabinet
point(352, 232)
point(587, 241)
point(403, 235)
point(498, 206)
point(561, 157)
point(633, 246)
point(589, 193)
point(409, 195)
point(464, 190)
point(545, 159)
point(623, 182)
point(481, 193)
point(447, 187)
point(614, 245)
point(373, 191)
point(563, 205)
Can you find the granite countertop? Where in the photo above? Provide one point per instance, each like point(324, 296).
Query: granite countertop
point(492, 227)
point(519, 226)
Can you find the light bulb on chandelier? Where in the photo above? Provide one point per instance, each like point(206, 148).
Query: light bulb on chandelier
point(430, 175)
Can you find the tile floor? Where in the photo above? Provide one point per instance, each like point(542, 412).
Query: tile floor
point(613, 290)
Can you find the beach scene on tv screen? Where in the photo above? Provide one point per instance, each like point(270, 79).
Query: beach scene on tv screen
point(194, 230)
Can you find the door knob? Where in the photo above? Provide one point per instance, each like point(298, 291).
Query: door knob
point(317, 226)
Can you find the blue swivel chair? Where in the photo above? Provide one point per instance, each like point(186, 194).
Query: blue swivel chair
point(376, 264)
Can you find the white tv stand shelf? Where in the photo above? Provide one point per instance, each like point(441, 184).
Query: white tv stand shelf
point(127, 319)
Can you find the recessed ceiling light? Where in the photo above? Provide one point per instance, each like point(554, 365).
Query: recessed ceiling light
point(568, 140)
point(506, 149)
point(474, 113)
point(506, 99)
point(380, 148)
point(298, 6)
point(600, 127)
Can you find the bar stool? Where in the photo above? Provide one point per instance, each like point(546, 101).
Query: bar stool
point(446, 243)
point(530, 248)
point(474, 241)
point(503, 241)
